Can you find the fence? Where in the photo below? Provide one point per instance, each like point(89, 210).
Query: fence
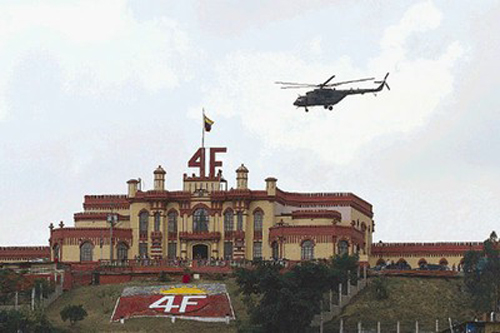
point(336, 300)
point(427, 326)
point(35, 297)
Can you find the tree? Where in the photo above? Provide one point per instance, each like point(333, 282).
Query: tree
point(24, 321)
point(9, 282)
point(482, 275)
point(287, 301)
point(74, 313)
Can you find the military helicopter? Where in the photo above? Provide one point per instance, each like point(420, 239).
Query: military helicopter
point(326, 93)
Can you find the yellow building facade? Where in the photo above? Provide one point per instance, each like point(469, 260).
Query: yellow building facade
point(207, 220)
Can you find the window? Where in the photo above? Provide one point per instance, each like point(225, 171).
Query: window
point(200, 220)
point(143, 222)
point(56, 252)
point(239, 221)
point(257, 250)
point(275, 250)
point(122, 251)
point(86, 251)
point(157, 221)
point(172, 250)
point(307, 251)
point(343, 247)
point(228, 221)
point(228, 250)
point(143, 250)
point(172, 222)
point(257, 221)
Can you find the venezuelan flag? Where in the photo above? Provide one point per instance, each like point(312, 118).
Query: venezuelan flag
point(208, 123)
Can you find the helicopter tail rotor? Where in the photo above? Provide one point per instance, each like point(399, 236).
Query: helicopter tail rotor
point(383, 82)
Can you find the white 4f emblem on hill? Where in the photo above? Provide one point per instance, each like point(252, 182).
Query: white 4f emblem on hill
point(167, 303)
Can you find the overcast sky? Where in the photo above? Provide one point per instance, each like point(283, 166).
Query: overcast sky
point(93, 93)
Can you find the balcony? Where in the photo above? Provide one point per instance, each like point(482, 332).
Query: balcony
point(234, 234)
point(200, 235)
point(172, 235)
point(257, 235)
point(143, 235)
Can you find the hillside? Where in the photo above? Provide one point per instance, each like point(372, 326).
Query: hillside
point(99, 301)
point(410, 299)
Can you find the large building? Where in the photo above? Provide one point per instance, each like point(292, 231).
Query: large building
point(205, 219)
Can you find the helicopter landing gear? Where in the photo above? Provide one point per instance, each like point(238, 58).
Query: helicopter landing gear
point(330, 108)
point(306, 109)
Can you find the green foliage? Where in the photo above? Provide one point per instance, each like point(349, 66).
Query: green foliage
point(9, 282)
point(379, 285)
point(19, 321)
point(74, 313)
point(163, 277)
point(43, 286)
point(287, 302)
point(482, 275)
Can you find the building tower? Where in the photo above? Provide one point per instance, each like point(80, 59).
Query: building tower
point(159, 175)
point(242, 178)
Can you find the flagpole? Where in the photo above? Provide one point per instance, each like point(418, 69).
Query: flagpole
point(203, 128)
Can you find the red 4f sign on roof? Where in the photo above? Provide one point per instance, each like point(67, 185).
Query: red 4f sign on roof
point(203, 302)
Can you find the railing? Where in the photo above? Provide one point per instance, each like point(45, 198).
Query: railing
point(257, 234)
point(183, 263)
point(156, 235)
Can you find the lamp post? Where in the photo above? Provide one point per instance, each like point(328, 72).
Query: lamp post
point(112, 220)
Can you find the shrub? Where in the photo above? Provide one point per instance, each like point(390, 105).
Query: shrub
point(74, 313)
point(380, 288)
point(163, 277)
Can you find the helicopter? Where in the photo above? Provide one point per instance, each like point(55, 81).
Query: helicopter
point(326, 94)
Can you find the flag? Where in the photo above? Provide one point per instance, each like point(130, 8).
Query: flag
point(208, 123)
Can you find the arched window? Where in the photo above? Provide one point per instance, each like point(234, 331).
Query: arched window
point(343, 247)
point(86, 251)
point(443, 262)
point(172, 222)
point(275, 250)
point(57, 252)
point(257, 220)
point(228, 220)
point(307, 251)
point(122, 251)
point(200, 220)
point(157, 221)
point(239, 221)
point(143, 222)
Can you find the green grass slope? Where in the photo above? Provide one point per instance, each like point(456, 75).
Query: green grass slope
point(410, 299)
point(99, 302)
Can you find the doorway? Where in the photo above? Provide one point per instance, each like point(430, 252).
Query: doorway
point(200, 251)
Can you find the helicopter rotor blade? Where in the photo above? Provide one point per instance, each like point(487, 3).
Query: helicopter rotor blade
point(326, 82)
point(294, 83)
point(350, 81)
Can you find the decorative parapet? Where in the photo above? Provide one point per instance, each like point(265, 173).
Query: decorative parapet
point(317, 214)
point(417, 249)
point(200, 235)
point(74, 236)
point(24, 253)
point(320, 234)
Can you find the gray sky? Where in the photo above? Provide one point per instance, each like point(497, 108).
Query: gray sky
point(94, 93)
